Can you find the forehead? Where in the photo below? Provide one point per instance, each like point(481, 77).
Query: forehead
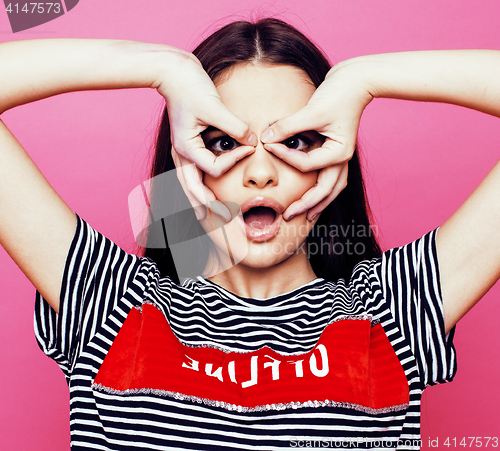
point(261, 94)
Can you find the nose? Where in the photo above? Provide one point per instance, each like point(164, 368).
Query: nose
point(260, 170)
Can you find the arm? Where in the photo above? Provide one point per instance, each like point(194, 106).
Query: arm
point(36, 69)
point(468, 244)
point(462, 77)
point(36, 226)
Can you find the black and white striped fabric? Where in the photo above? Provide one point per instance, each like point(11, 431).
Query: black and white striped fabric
point(102, 285)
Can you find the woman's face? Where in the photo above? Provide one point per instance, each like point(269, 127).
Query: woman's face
point(262, 184)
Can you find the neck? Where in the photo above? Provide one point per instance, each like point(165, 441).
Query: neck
point(266, 282)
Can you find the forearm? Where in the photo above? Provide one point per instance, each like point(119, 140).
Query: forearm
point(469, 78)
point(35, 69)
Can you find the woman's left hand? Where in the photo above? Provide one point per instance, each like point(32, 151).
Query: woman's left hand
point(334, 111)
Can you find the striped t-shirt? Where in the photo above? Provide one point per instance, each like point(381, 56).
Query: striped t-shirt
point(155, 365)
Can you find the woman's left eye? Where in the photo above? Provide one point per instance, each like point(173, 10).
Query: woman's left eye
point(298, 142)
point(222, 144)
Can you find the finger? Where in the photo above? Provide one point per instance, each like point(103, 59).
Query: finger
point(307, 118)
point(339, 186)
point(329, 154)
point(227, 160)
point(234, 208)
point(196, 152)
point(327, 178)
point(215, 220)
point(219, 116)
point(199, 194)
point(197, 204)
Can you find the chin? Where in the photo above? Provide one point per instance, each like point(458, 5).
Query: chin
point(262, 260)
point(270, 253)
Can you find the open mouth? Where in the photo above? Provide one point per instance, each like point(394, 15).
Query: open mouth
point(259, 217)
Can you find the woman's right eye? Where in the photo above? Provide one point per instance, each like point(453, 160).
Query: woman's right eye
point(222, 144)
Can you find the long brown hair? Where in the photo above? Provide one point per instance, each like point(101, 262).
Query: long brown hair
point(342, 236)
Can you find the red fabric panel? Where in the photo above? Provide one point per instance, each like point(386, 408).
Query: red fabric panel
point(352, 362)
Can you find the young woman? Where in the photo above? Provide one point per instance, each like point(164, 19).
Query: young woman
point(273, 342)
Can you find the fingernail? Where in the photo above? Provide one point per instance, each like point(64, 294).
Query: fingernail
point(253, 141)
point(221, 210)
point(198, 213)
point(267, 136)
point(313, 218)
point(290, 217)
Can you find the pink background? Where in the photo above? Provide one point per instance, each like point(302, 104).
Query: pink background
point(423, 160)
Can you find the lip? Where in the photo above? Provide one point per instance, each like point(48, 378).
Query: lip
point(268, 232)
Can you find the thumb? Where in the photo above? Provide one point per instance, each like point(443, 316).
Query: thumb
point(304, 119)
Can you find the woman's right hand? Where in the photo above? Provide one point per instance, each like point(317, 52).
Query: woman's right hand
point(36, 225)
point(193, 105)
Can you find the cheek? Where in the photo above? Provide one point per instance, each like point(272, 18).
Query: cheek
point(298, 228)
point(299, 182)
point(219, 186)
point(294, 182)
